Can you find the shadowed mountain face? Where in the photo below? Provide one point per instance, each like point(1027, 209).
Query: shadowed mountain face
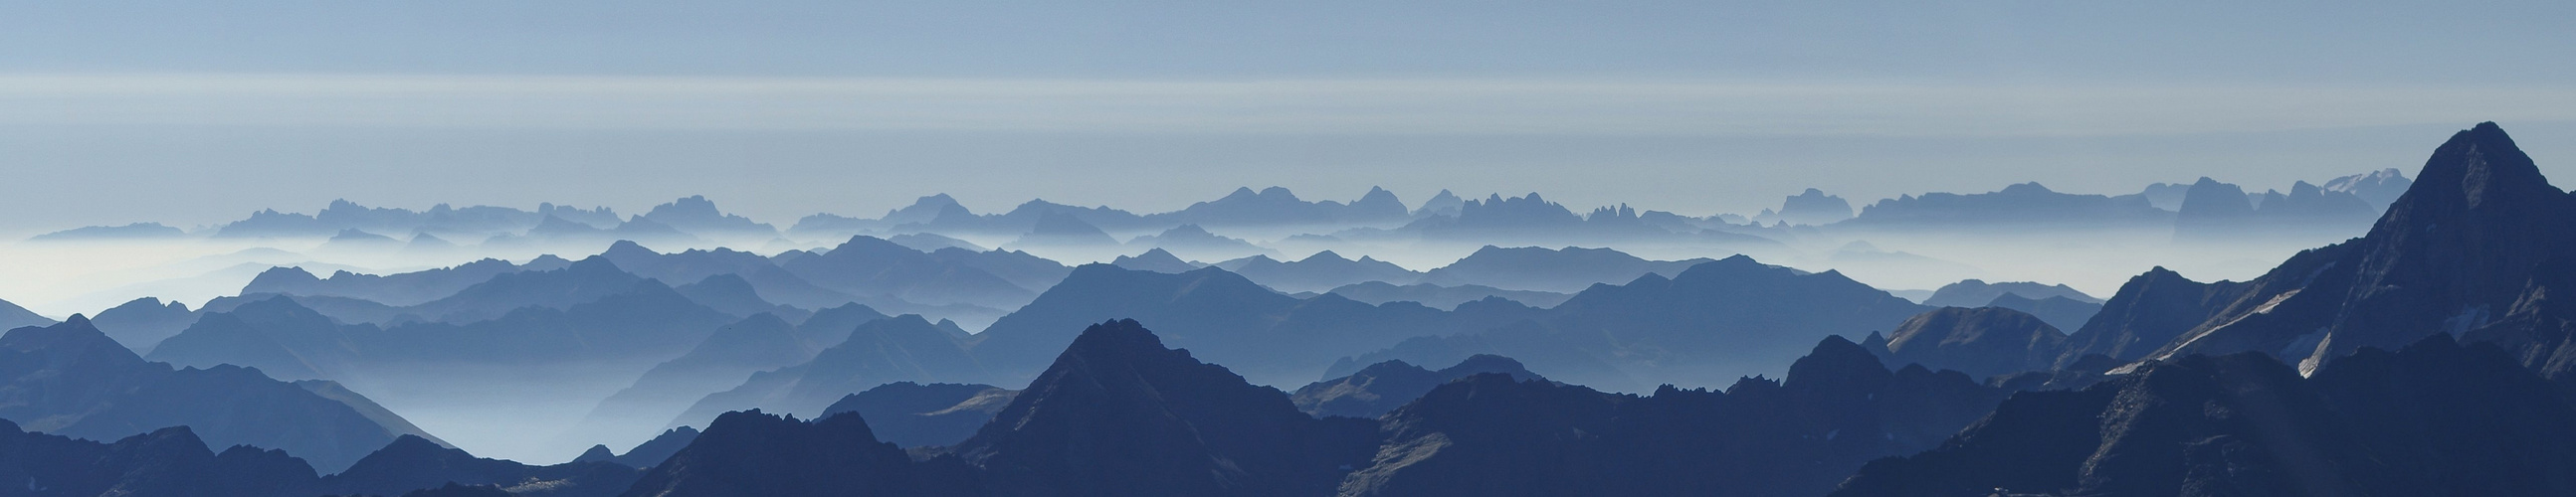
point(1318, 272)
point(1444, 297)
point(404, 289)
point(2473, 249)
point(645, 455)
point(2435, 418)
point(901, 348)
point(1491, 435)
point(1712, 323)
point(143, 323)
point(2060, 312)
point(1119, 414)
point(1552, 270)
point(868, 266)
point(13, 317)
point(1384, 386)
point(645, 324)
point(170, 462)
point(1271, 337)
point(70, 379)
point(1982, 342)
point(1976, 293)
point(411, 463)
point(911, 414)
point(751, 453)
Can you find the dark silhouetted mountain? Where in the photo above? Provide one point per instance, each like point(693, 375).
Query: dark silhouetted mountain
point(403, 289)
point(1199, 242)
point(1982, 342)
point(2435, 418)
point(1812, 207)
point(1155, 260)
point(1384, 386)
point(1320, 272)
point(867, 266)
point(911, 414)
point(1976, 293)
point(697, 216)
point(168, 462)
point(2472, 249)
point(751, 453)
point(902, 348)
point(2021, 205)
point(2060, 312)
point(2379, 188)
point(1273, 338)
point(136, 231)
point(70, 379)
point(411, 463)
point(646, 455)
point(1489, 435)
point(1569, 269)
point(1714, 322)
point(13, 317)
point(2151, 310)
point(1442, 204)
point(143, 323)
point(1119, 414)
point(1443, 297)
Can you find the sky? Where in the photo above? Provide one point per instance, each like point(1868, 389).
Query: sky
point(194, 113)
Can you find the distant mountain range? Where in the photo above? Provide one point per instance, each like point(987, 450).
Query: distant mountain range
point(70, 379)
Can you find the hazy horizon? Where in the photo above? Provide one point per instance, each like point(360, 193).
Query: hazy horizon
point(786, 109)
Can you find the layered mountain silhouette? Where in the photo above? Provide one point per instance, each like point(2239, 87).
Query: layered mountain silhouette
point(2434, 418)
point(645, 455)
point(1978, 293)
point(753, 453)
point(2061, 312)
point(2471, 249)
point(1570, 269)
point(1811, 207)
point(1382, 387)
point(2020, 205)
point(70, 379)
point(143, 323)
point(1316, 273)
point(1708, 325)
point(901, 348)
point(912, 414)
point(1274, 338)
point(1837, 409)
point(14, 317)
point(129, 232)
point(1119, 414)
point(1155, 260)
point(1982, 342)
point(1443, 297)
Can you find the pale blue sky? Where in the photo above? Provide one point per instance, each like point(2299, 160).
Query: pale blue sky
point(195, 112)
